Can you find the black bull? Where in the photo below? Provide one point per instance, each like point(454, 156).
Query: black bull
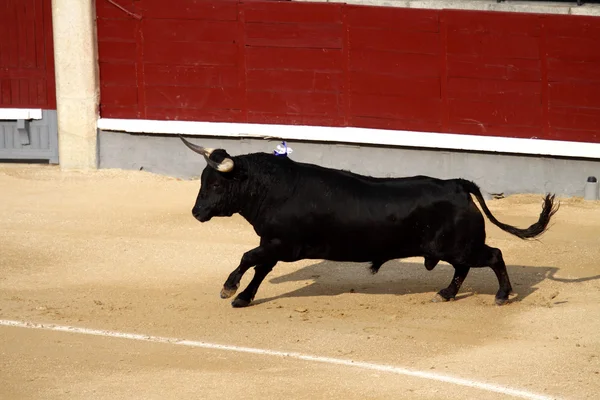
point(304, 211)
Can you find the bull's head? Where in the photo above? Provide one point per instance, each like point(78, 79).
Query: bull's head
point(217, 196)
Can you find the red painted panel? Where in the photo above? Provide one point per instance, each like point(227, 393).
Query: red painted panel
point(294, 35)
point(384, 62)
point(118, 95)
point(110, 111)
point(117, 74)
point(503, 46)
point(289, 12)
point(565, 48)
point(23, 89)
point(396, 40)
point(560, 70)
point(193, 114)
point(184, 75)
point(493, 68)
point(493, 22)
point(373, 83)
point(290, 58)
point(303, 103)
point(572, 26)
point(574, 94)
point(218, 10)
point(174, 30)
point(417, 109)
point(5, 92)
point(294, 119)
point(116, 51)
point(494, 90)
point(278, 80)
point(397, 18)
point(191, 53)
point(575, 118)
point(117, 30)
point(494, 113)
point(398, 124)
point(104, 9)
point(525, 132)
point(575, 135)
point(192, 97)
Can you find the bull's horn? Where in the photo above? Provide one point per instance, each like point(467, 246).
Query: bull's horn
point(225, 166)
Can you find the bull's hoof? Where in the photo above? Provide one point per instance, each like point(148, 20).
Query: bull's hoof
point(239, 302)
point(438, 298)
point(227, 292)
point(500, 301)
point(442, 296)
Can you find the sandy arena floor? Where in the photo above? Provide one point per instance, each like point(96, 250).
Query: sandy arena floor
point(121, 251)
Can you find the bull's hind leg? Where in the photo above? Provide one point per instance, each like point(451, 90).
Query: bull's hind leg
point(260, 272)
point(449, 293)
point(495, 260)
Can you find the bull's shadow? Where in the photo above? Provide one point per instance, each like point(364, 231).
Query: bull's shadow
point(401, 278)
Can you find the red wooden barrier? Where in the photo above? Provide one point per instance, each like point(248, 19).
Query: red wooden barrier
point(487, 73)
point(26, 55)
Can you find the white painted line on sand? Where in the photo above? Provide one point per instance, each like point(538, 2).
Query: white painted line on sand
point(306, 357)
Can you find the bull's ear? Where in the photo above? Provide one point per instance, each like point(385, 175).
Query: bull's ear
point(225, 164)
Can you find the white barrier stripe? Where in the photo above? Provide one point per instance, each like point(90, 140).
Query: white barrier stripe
point(306, 357)
point(368, 136)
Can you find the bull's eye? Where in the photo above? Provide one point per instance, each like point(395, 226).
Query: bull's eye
point(216, 185)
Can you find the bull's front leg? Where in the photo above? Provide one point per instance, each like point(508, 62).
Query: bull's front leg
point(263, 254)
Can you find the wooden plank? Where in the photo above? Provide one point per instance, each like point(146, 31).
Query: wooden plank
point(42, 92)
point(178, 30)
point(118, 95)
point(503, 130)
point(15, 92)
point(501, 46)
point(4, 33)
point(185, 75)
point(116, 30)
point(293, 58)
point(116, 51)
point(562, 70)
point(575, 135)
point(494, 90)
point(394, 107)
point(105, 9)
point(303, 103)
point(394, 40)
point(574, 94)
point(191, 53)
point(493, 22)
point(313, 81)
point(582, 49)
point(494, 113)
point(12, 49)
point(392, 17)
point(295, 119)
point(429, 125)
point(575, 118)
point(49, 48)
point(192, 97)
point(463, 66)
point(40, 61)
point(374, 83)
point(111, 111)
point(194, 114)
point(216, 10)
point(5, 91)
point(28, 34)
point(384, 62)
point(292, 12)
point(294, 35)
point(117, 74)
point(574, 27)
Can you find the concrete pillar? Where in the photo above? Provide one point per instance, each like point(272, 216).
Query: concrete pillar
point(77, 83)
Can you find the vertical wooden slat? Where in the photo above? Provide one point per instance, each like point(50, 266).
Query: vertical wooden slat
point(39, 33)
point(139, 68)
point(544, 79)
point(346, 93)
point(241, 60)
point(444, 71)
point(49, 56)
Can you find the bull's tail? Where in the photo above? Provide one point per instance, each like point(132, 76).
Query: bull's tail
point(548, 210)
